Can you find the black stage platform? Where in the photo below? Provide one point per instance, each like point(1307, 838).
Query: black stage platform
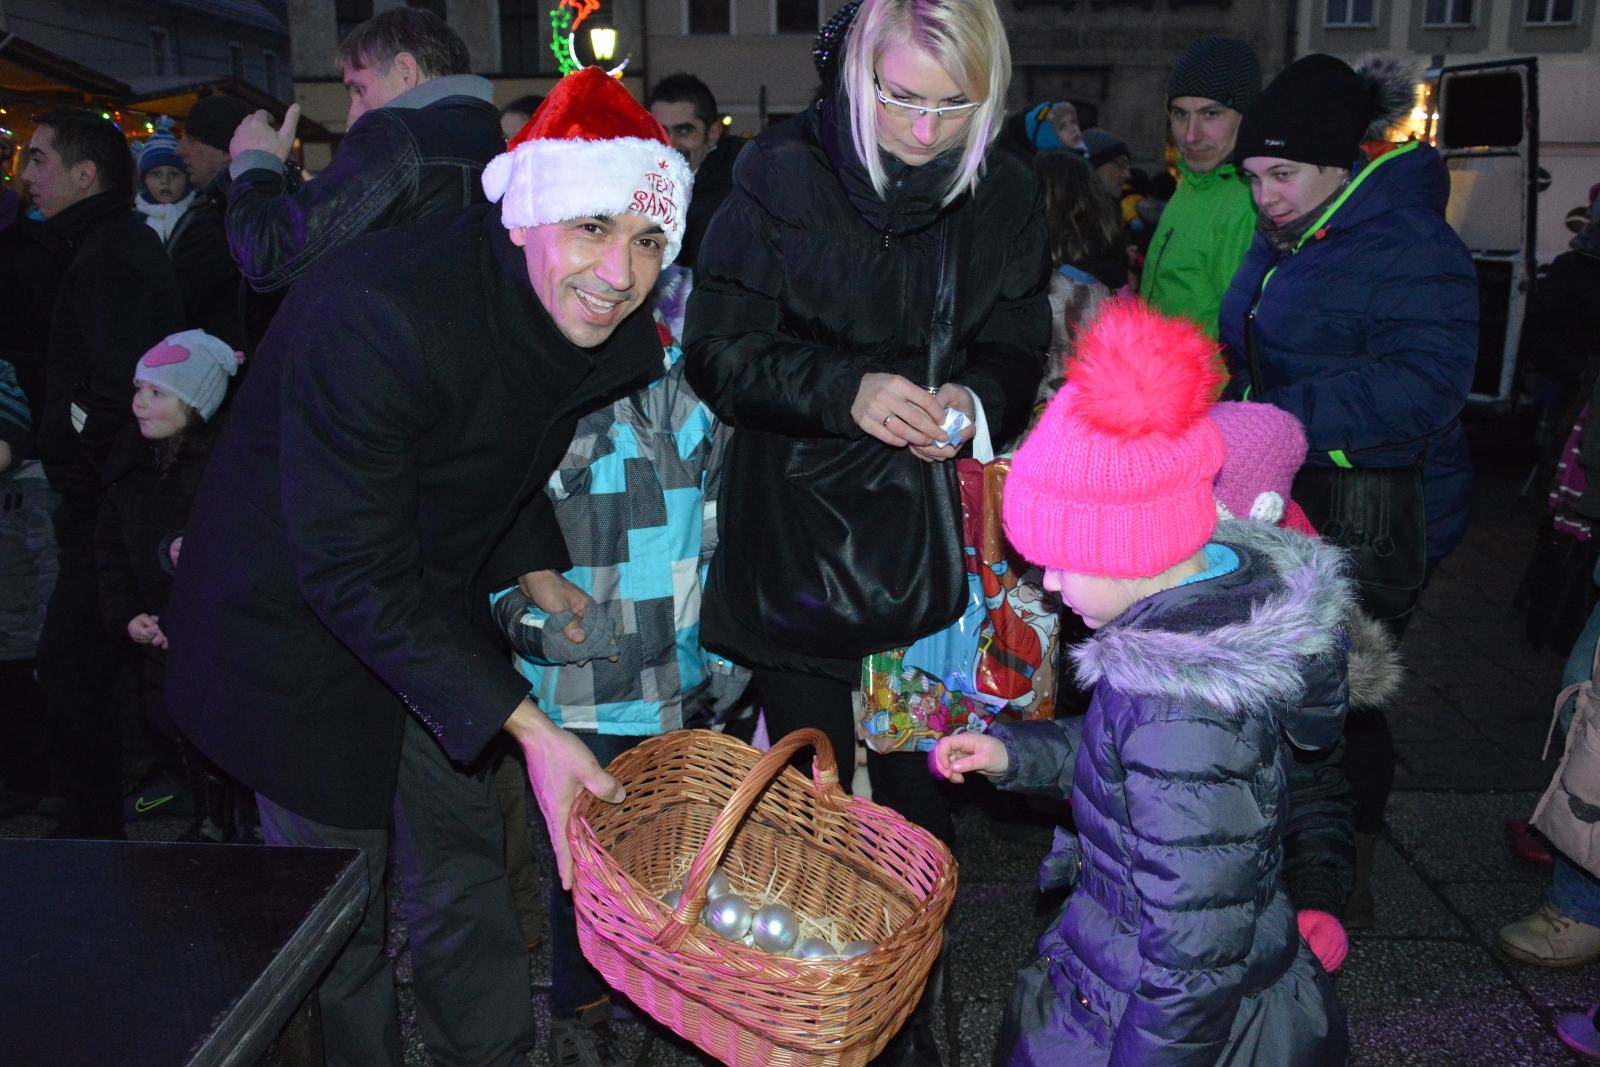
point(158, 955)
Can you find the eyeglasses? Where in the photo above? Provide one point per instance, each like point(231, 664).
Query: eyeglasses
point(916, 111)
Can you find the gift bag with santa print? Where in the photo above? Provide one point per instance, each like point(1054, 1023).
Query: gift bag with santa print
point(1022, 625)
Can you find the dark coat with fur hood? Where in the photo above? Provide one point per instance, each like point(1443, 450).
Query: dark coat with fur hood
point(1178, 776)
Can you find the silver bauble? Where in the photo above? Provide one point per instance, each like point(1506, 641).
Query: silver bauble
point(775, 928)
point(728, 916)
point(672, 897)
point(813, 948)
point(857, 948)
point(718, 886)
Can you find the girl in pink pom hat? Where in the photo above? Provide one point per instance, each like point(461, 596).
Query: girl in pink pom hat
point(1218, 650)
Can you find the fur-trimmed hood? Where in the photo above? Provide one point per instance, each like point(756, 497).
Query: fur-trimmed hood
point(1376, 671)
point(1171, 646)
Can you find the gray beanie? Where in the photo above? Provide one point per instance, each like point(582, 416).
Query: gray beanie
point(192, 366)
point(1224, 69)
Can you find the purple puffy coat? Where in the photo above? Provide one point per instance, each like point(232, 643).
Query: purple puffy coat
point(1178, 944)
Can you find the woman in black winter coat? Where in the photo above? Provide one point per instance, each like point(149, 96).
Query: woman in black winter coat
point(809, 331)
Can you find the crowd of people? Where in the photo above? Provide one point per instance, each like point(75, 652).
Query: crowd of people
point(520, 434)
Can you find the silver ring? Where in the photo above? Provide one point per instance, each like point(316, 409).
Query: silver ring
point(886, 419)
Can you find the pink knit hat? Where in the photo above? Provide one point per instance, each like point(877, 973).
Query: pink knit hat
point(1266, 447)
point(1116, 479)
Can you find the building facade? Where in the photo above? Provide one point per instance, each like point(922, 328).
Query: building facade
point(756, 54)
point(151, 44)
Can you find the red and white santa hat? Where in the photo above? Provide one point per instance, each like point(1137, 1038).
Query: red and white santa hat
point(591, 149)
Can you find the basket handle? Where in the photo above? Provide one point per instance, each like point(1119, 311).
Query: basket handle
point(824, 781)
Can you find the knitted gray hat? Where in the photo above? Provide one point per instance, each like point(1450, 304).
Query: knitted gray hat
point(1224, 69)
point(192, 366)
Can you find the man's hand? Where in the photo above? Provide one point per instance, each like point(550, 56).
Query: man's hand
point(559, 767)
point(896, 410)
point(256, 134)
point(5, 455)
point(146, 630)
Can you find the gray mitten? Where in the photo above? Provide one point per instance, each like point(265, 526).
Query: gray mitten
point(541, 637)
point(724, 690)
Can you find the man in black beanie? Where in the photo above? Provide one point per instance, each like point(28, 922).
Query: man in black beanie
point(1206, 227)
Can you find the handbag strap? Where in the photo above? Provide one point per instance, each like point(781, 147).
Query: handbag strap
point(953, 229)
point(1567, 694)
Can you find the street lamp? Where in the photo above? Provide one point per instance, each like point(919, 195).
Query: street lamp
point(602, 43)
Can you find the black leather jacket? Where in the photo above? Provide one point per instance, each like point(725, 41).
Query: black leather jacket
point(422, 154)
point(807, 280)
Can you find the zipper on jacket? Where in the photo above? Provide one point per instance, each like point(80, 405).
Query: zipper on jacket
point(894, 197)
point(1314, 231)
point(1151, 267)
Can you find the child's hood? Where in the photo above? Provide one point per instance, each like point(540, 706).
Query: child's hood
point(1171, 645)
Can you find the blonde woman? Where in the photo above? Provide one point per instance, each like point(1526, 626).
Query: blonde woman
point(809, 330)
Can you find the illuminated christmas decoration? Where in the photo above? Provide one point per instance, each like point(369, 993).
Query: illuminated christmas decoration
point(564, 22)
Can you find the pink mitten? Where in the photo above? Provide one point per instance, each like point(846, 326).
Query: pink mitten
point(1326, 936)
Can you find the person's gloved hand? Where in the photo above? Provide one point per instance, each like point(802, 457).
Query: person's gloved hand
point(724, 688)
point(1325, 934)
point(544, 638)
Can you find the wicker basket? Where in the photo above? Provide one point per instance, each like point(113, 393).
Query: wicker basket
point(824, 853)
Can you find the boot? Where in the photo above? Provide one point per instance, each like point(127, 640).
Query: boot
point(213, 806)
point(1358, 909)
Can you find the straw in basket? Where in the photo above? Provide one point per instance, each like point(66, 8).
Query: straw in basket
point(824, 853)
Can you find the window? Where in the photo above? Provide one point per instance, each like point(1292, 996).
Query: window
point(710, 16)
point(160, 50)
point(348, 14)
point(520, 23)
point(1350, 13)
point(1551, 13)
point(436, 6)
point(796, 16)
point(1447, 13)
point(269, 60)
point(236, 59)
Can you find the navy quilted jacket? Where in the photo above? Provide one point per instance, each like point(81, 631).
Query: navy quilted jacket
point(1176, 942)
point(1368, 332)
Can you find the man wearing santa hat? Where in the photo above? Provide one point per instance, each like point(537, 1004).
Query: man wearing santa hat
point(330, 639)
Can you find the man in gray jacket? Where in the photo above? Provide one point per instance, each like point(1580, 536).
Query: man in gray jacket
point(421, 129)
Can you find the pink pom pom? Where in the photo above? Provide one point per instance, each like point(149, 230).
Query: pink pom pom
point(1138, 372)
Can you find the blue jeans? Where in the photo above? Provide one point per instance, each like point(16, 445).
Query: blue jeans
point(1574, 891)
point(574, 984)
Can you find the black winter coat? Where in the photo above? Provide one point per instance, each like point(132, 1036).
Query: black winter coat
point(117, 298)
point(146, 507)
point(33, 259)
point(207, 278)
point(382, 472)
point(712, 184)
point(807, 281)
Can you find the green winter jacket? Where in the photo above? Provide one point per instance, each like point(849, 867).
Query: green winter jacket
point(1198, 245)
